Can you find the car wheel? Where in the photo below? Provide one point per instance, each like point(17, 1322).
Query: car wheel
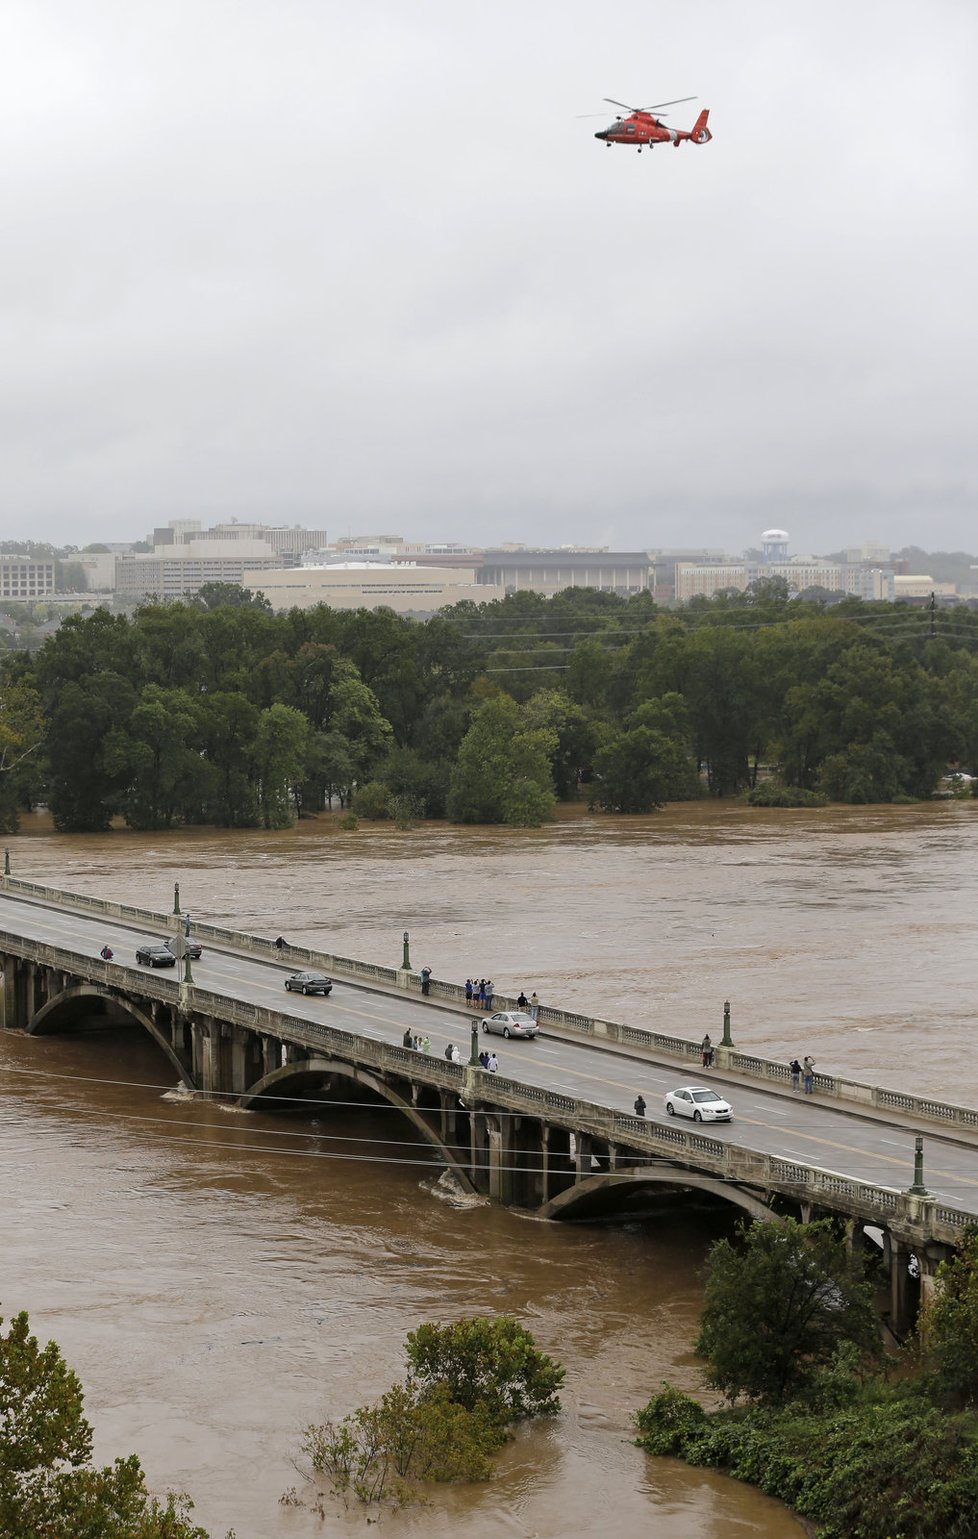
point(670, 1109)
point(304, 989)
point(506, 1032)
point(697, 1116)
point(288, 990)
point(485, 1025)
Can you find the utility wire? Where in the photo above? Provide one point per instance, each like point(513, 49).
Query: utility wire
point(870, 1173)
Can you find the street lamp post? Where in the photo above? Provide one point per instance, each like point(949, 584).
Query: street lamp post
point(406, 964)
point(726, 1040)
point(918, 1189)
point(176, 899)
point(474, 1053)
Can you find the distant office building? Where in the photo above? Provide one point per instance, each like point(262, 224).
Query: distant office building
point(290, 540)
point(99, 569)
point(872, 552)
point(694, 580)
point(550, 571)
point(177, 571)
point(405, 588)
point(22, 578)
point(920, 586)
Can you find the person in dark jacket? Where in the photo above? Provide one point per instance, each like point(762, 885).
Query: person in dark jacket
point(639, 1105)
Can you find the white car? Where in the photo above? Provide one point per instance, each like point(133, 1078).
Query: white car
point(511, 1023)
point(698, 1102)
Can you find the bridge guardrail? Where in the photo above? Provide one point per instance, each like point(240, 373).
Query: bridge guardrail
point(771, 1071)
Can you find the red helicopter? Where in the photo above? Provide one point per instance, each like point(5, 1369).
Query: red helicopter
point(642, 127)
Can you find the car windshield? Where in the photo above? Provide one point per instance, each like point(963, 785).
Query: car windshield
point(706, 1095)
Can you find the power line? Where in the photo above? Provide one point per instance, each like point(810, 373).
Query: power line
point(870, 1174)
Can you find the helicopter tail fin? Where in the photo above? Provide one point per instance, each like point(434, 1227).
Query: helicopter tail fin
point(699, 133)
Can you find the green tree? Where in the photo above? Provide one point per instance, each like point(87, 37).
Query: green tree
point(158, 750)
point(952, 1321)
point(87, 784)
point(502, 774)
point(21, 728)
point(492, 1363)
point(355, 713)
point(228, 595)
point(281, 746)
point(640, 770)
point(779, 1300)
point(49, 1488)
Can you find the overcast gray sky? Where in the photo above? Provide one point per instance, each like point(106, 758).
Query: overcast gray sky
point(361, 265)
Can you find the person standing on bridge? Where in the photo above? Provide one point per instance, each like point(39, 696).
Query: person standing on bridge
point(408, 1038)
point(493, 1063)
point(707, 1049)
point(468, 992)
point(808, 1075)
point(534, 1006)
point(794, 1069)
point(426, 980)
point(640, 1105)
point(521, 1001)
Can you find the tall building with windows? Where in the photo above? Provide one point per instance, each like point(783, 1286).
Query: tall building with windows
point(23, 578)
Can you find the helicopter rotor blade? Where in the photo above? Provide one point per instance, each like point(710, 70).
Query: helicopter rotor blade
point(656, 105)
point(627, 108)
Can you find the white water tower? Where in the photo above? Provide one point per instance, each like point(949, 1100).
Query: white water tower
point(774, 544)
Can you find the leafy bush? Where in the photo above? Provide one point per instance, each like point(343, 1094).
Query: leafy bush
point(372, 801)
point(466, 1383)
point(892, 1468)
point(770, 794)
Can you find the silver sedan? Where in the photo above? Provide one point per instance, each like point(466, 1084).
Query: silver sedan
point(511, 1023)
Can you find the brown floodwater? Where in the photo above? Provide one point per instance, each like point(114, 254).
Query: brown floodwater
point(221, 1279)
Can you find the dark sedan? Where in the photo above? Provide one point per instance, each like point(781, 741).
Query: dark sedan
point(309, 983)
point(191, 948)
point(155, 956)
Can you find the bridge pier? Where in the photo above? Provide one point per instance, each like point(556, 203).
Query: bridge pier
point(558, 1165)
point(905, 1290)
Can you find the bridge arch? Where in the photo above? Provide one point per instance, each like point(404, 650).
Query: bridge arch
point(588, 1193)
point(316, 1068)
point(71, 1003)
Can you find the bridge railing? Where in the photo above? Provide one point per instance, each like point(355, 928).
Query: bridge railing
point(923, 1109)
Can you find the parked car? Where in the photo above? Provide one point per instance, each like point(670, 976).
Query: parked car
point(698, 1102)
point(511, 1023)
point(191, 948)
point(155, 955)
point(309, 983)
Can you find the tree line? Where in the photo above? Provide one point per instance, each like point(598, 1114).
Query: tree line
point(222, 712)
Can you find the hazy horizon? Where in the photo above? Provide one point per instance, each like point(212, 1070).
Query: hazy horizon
point(369, 270)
